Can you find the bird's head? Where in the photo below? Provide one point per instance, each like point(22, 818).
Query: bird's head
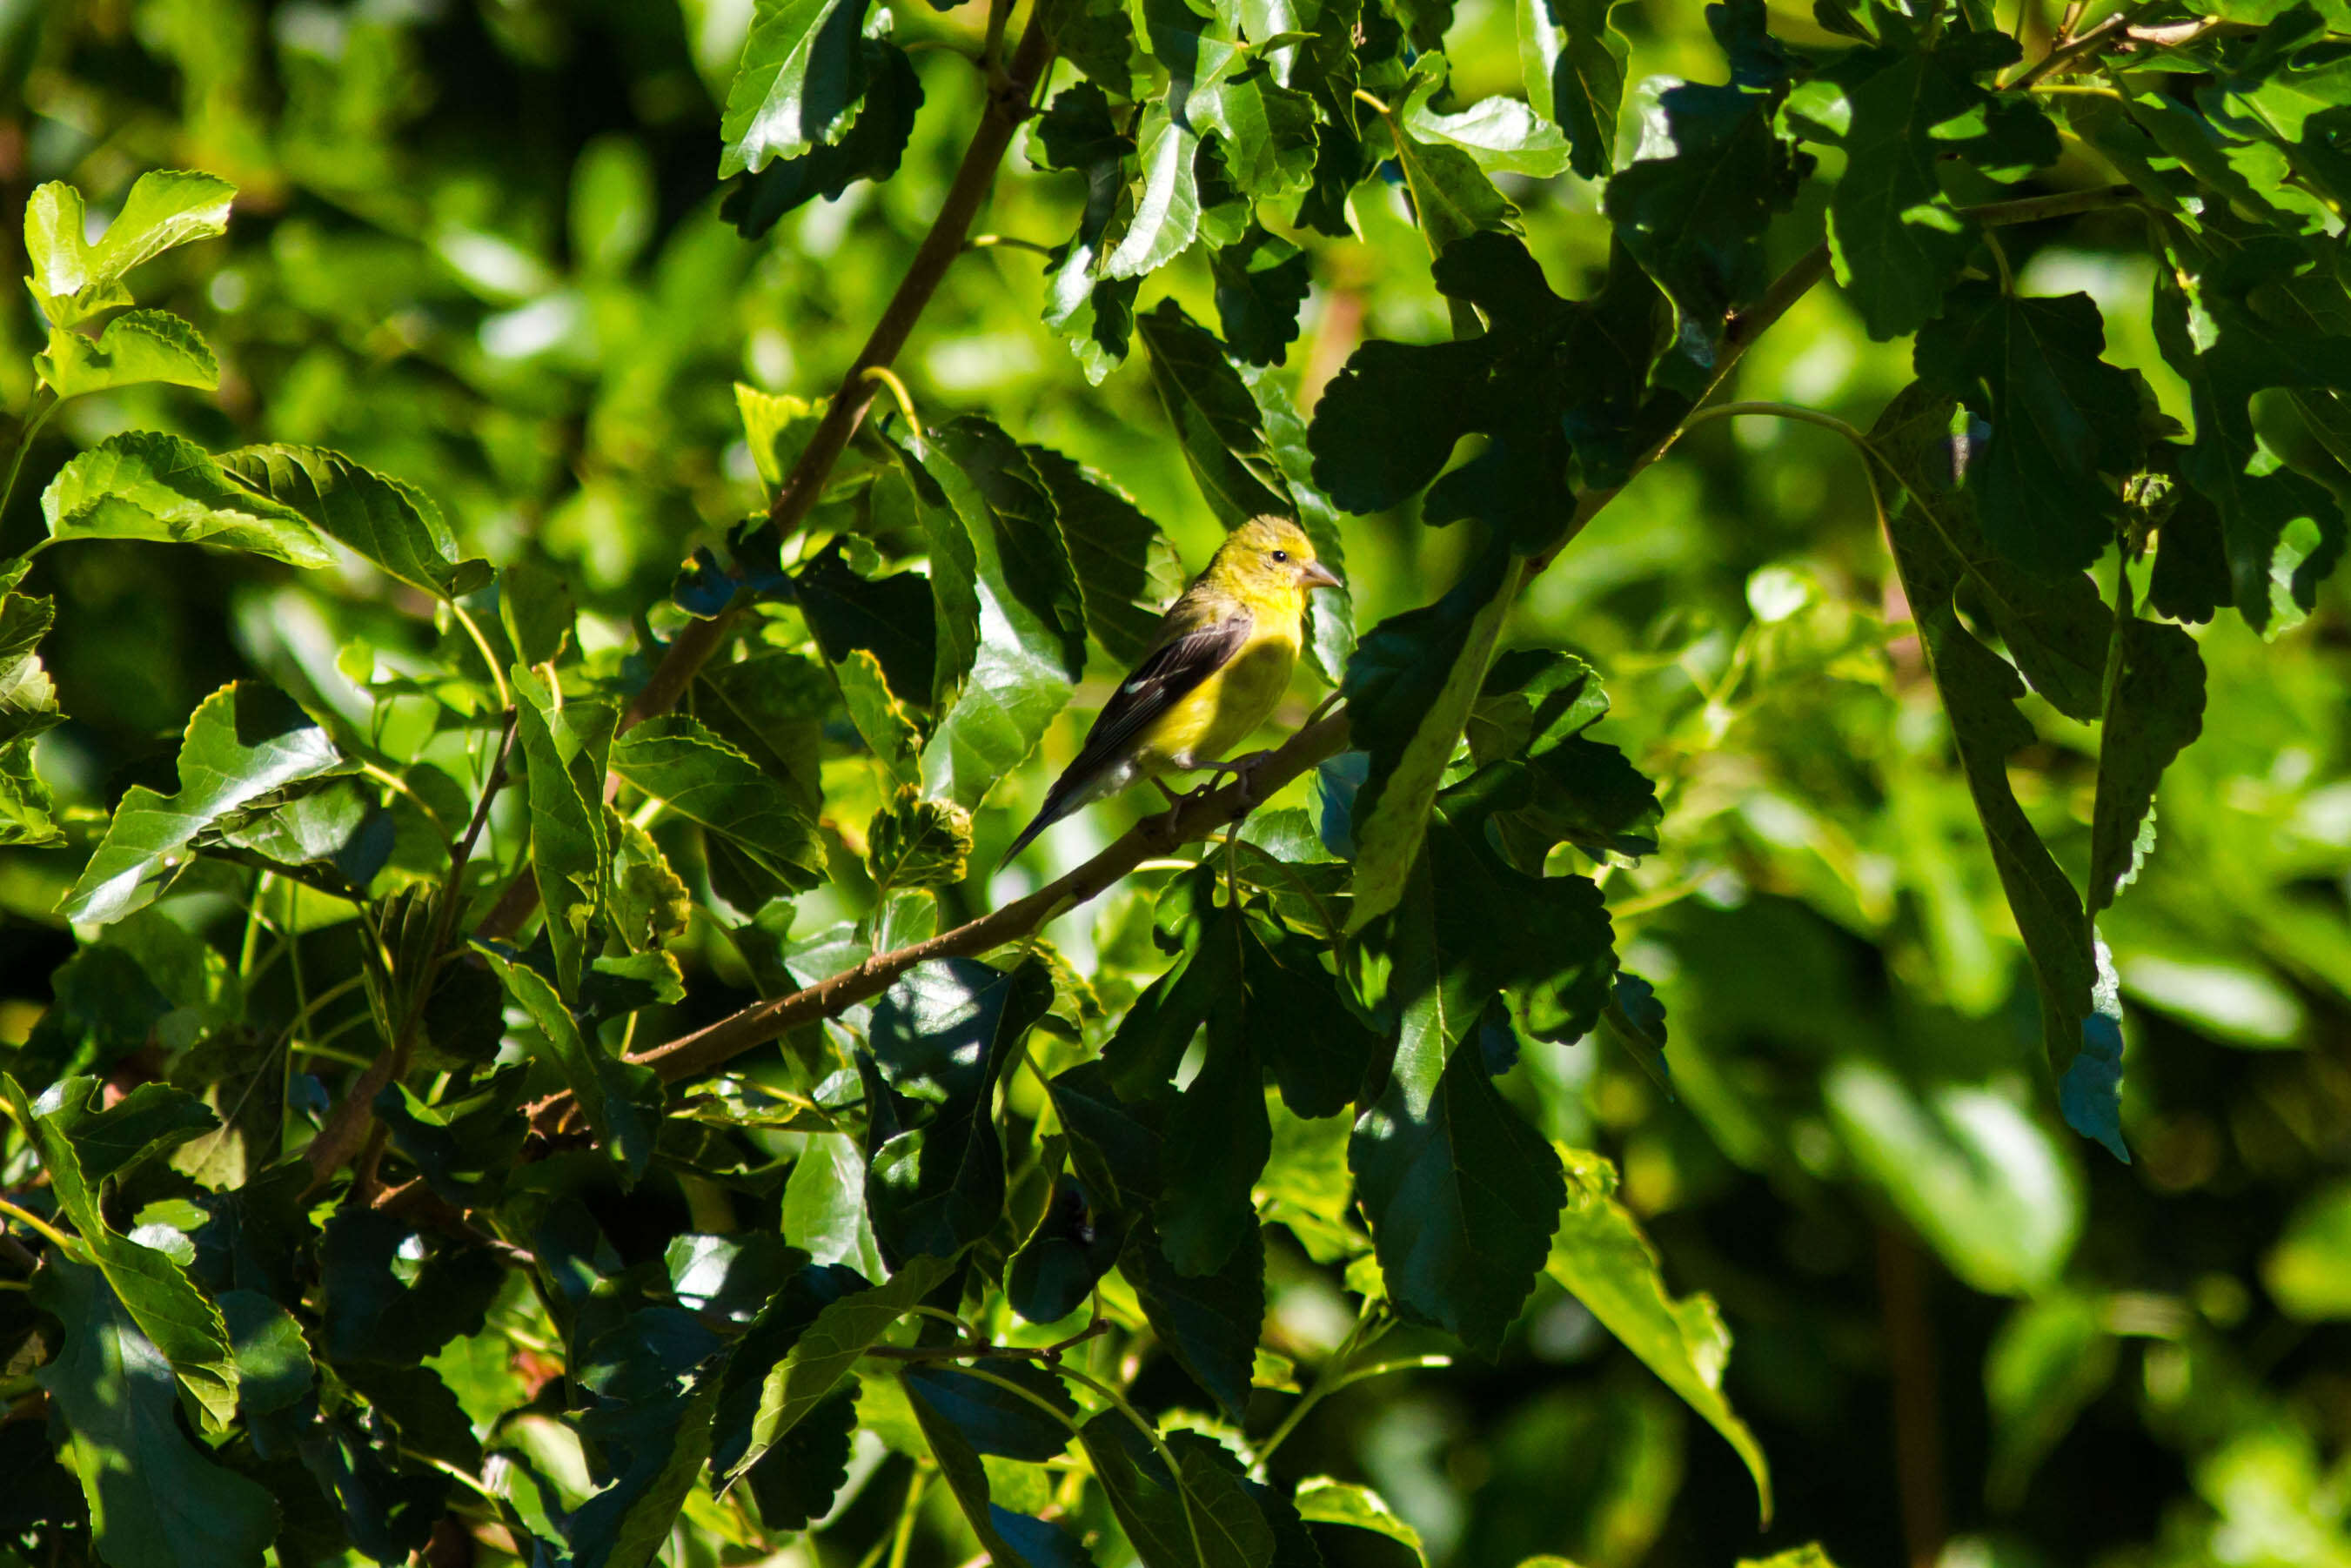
point(1272, 555)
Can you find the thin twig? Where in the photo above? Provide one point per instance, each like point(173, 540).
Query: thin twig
point(2063, 58)
point(351, 1127)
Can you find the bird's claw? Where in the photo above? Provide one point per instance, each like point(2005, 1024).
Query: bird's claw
point(1244, 771)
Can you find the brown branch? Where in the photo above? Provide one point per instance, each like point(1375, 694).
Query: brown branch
point(1007, 106)
point(2112, 30)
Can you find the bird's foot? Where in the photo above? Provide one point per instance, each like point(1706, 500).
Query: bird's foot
point(1244, 771)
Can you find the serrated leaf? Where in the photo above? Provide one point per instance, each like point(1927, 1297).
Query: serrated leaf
point(1573, 59)
point(155, 1500)
point(1201, 1516)
point(2155, 709)
point(1217, 422)
point(869, 149)
point(75, 1138)
point(1261, 280)
point(942, 1037)
point(1708, 174)
point(1979, 691)
point(1501, 135)
point(677, 760)
point(388, 522)
point(1410, 687)
point(564, 748)
point(1460, 1192)
point(799, 84)
point(1010, 1540)
point(1319, 1499)
point(621, 1100)
point(822, 1353)
point(1388, 424)
point(1011, 617)
point(2060, 415)
point(165, 208)
point(137, 346)
point(1209, 1322)
point(245, 743)
point(917, 842)
point(1897, 241)
point(1126, 570)
point(2240, 310)
point(1600, 1256)
point(144, 485)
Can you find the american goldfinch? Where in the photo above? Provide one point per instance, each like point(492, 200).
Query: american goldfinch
point(1221, 662)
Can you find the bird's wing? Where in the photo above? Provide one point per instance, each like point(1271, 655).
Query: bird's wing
point(1166, 674)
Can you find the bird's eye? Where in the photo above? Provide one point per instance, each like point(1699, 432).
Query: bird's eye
point(1281, 555)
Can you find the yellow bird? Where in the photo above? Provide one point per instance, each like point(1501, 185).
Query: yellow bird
point(1221, 662)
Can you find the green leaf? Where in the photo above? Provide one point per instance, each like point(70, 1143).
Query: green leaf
point(1600, 1256)
point(245, 745)
point(1004, 579)
point(1094, 314)
point(824, 1203)
point(940, 1401)
point(388, 522)
point(563, 747)
point(2060, 416)
point(1573, 59)
point(144, 485)
point(942, 1037)
point(1127, 572)
point(628, 1523)
point(821, 1354)
point(621, 1100)
point(1217, 420)
point(2236, 311)
point(74, 279)
point(1462, 1193)
point(917, 842)
point(29, 708)
point(369, 1313)
point(1199, 1516)
point(1896, 239)
point(137, 346)
point(1693, 205)
point(799, 84)
point(145, 1285)
point(1322, 1500)
point(274, 1369)
point(155, 1500)
point(890, 619)
point(1979, 691)
point(1500, 135)
point(678, 760)
point(1409, 687)
point(537, 610)
point(1261, 280)
point(776, 427)
point(1388, 423)
point(2155, 708)
point(869, 149)
point(1209, 1322)
point(1451, 196)
point(165, 208)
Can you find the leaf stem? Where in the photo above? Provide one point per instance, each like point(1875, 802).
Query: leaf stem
point(1324, 1385)
point(907, 1510)
point(41, 1227)
point(45, 403)
point(482, 644)
point(905, 400)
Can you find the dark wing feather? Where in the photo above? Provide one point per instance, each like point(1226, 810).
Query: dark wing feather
point(1166, 677)
point(1166, 674)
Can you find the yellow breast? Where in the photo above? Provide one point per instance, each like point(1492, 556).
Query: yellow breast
point(1216, 715)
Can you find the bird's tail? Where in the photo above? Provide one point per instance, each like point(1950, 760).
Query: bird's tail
point(1056, 806)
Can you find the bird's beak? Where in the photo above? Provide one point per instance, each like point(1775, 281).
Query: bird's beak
point(1314, 574)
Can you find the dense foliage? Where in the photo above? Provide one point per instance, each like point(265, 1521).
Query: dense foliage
point(517, 1046)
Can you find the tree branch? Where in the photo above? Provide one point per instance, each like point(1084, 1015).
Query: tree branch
point(1007, 106)
point(720, 1042)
